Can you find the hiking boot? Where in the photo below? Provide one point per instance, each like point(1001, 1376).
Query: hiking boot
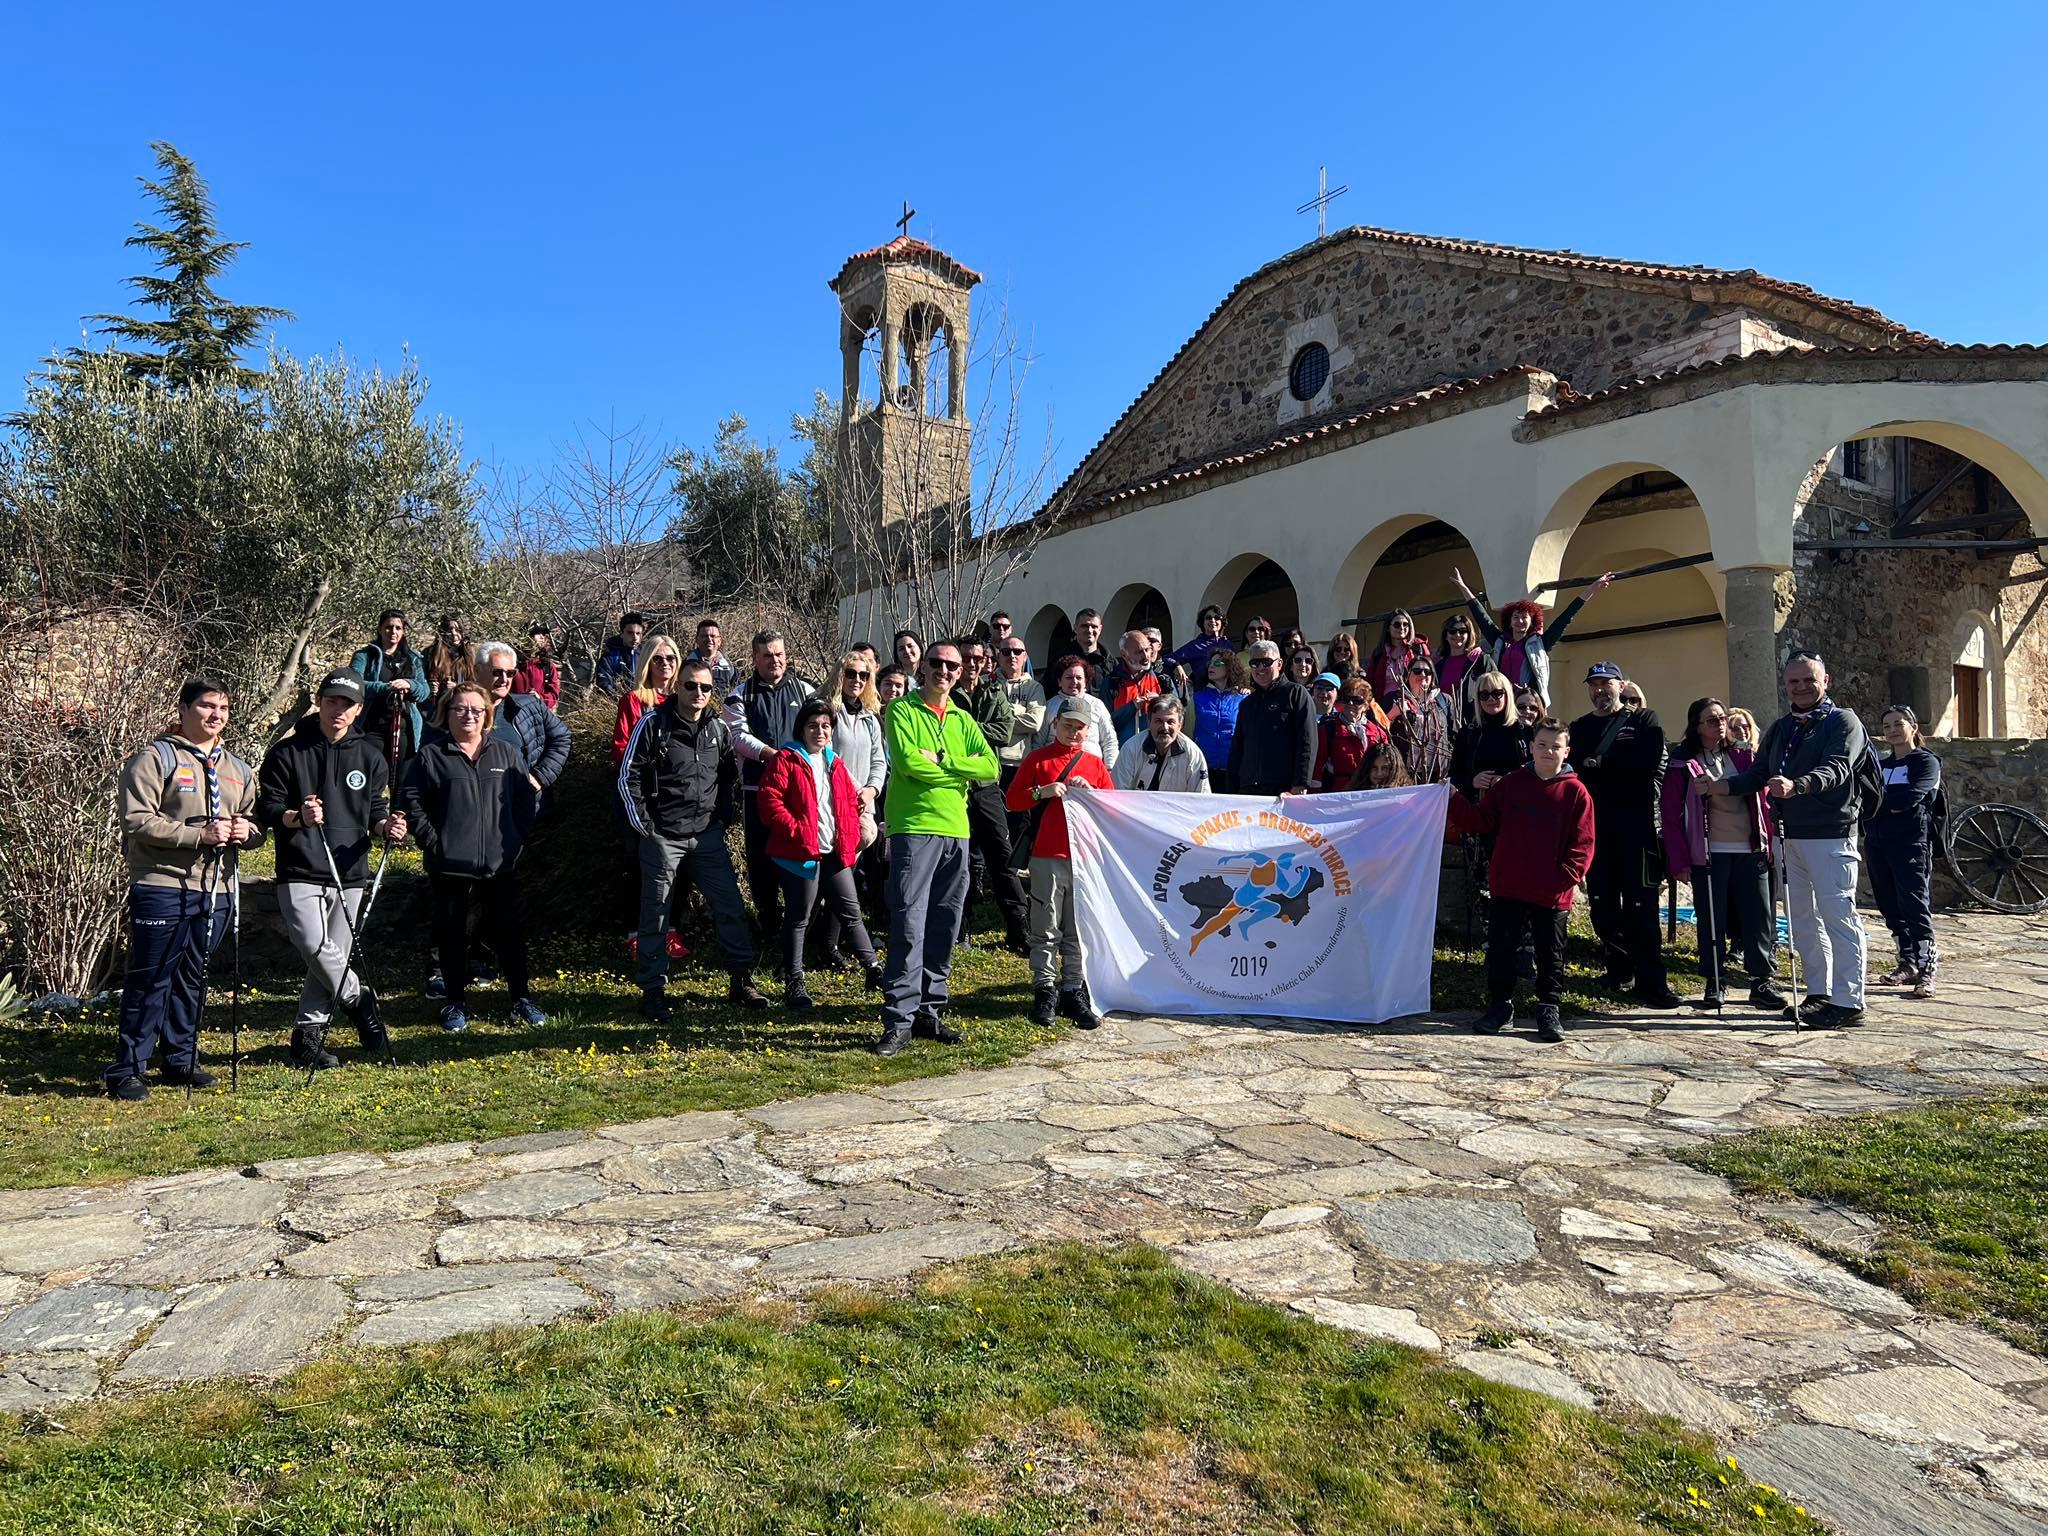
point(437, 986)
point(654, 1006)
point(1079, 1007)
point(1810, 1008)
point(742, 993)
point(796, 995)
point(1835, 1016)
point(1923, 986)
point(1015, 942)
point(369, 1021)
point(453, 1020)
point(1708, 1002)
point(1495, 1019)
point(1548, 1025)
point(1044, 1006)
point(526, 1011)
point(191, 1077)
point(309, 1050)
point(892, 1043)
point(1764, 995)
point(129, 1090)
point(1900, 975)
point(1657, 996)
point(927, 1025)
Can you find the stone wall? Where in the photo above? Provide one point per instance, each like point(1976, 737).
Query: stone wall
point(1394, 321)
point(1878, 614)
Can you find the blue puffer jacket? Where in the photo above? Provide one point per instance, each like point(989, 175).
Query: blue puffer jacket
point(378, 671)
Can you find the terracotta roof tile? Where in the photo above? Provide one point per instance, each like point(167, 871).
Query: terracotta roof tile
point(906, 248)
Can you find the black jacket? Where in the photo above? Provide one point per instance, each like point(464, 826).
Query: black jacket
point(1274, 748)
point(1489, 748)
point(461, 811)
point(1625, 780)
point(761, 718)
point(677, 778)
point(1819, 755)
point(352, 777)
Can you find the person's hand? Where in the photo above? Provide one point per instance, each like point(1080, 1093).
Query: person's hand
point(1299, 789)
point(1484, 781)
point(311, 812)
point(393, 827)
point(867, 799)
point(534, 782)
point(1714, 787)
point(928, 755)
point(1778, 787)
point(1053, 791)
point(214, 833)
point(1606, 581)
point(1458, 581)
point(401, 685)
point(242, 830)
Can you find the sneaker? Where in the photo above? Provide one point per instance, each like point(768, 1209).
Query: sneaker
point(892, 1044)
point(1659, 996)
point(437, 986)
point(1708, 1002)
point(654, 1006)
point(453, 1020)
point(1077, 1006)
point(1764, 995)
point(1810, 1008)
point(129, 1090)
point(526, 1011)
point(797, 996)
point(369, 1021)
point(930, 1026)
point(309, 1050)
point(1835, 1016)
point(1045, 1003)
point(742, 991)
point(1548, 1025)
point(1923, 986)
point(192, 1077)
point(1495, 1019)
point(1900, 975)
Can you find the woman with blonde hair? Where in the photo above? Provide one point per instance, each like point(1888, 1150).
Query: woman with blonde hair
point(656, 666)
point(1742, 731)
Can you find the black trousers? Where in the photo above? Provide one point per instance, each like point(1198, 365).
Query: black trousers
point(764, 879)
point(988, 835)
point(1732, 900)
point(1902, 879)
point(831, 891)
point(496, 901)
point(1624, 911)
point(1506, 924)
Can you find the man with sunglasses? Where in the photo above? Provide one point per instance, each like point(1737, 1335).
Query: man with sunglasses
point(528, 725)
point(1027, 704)
point(676, 780)
point(937, 754)
point(1273, 751)
point(985, 698)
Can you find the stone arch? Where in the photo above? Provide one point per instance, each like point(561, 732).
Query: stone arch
point(1050, 635)
point(1546, 550)
point(1976, 647)
point(1425, 550)
point(1136, 605)
point(926, 379)
point(2023, 480)
point(1254, 583)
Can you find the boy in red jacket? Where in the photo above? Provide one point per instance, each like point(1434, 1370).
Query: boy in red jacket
point(1039, 790)
point(1542, 821)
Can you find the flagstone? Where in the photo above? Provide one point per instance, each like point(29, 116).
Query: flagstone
point(1635, 1272)
point(224, 1200)
point(239, 1328)
point(512, 1304)
point(91, 1318)
point(185, 1258)
point(1922, 1405)
point(1517, 1370)
point(1740, 1338)
point(44, 1245)
point(1290, 1262)
point(1396, 1325)
point(1775, 1265)
point(395, 1246)
point(1439, 1229)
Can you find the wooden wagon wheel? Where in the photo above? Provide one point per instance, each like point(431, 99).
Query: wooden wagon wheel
point(1999, 855)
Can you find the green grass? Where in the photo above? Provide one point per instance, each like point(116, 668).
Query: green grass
point(1960, 1189)
point(1070, 1390)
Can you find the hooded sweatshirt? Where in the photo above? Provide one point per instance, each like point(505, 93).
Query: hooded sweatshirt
point(1543, 843)
point(352, 777)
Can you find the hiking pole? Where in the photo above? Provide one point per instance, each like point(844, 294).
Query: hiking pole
point(1781, 891)
point(365, 997)
point(1704, 924)
point(210, 891)
point(235, 954)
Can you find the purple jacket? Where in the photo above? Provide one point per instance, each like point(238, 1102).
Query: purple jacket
point(1685, 819)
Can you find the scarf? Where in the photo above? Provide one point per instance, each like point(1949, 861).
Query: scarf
point(1804, 724)
point(1428, 747)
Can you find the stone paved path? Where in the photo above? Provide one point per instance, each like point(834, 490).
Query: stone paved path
point(1413, 1182)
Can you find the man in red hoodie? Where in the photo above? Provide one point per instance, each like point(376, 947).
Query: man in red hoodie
point(1542, 821)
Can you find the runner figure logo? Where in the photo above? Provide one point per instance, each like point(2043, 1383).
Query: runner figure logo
point(1260, 919)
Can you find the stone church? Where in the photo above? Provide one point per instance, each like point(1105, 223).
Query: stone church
point(1362, 415)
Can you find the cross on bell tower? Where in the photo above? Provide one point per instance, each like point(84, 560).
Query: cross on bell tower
point(904, 432)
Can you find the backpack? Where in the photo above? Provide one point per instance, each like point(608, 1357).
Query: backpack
point(1868, 779)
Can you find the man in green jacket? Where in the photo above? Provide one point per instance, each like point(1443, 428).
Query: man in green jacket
point(937, 754)
point(987, 699)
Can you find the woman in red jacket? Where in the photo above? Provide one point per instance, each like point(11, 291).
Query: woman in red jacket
point(812, 815)
point(654, 678)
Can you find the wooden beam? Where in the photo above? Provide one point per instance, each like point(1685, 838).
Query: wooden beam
point(1926, 498)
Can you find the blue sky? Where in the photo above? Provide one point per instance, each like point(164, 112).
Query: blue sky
point(569, 212)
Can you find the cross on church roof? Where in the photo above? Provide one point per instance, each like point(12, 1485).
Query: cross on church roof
point(1322, 200)
point(909, 213)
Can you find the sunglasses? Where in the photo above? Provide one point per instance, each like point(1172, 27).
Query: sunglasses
point(1492, 693)
point(855, 674)
point(1013, 650)
point(1713, 719)
point(503, 672)
point(693, 687)
point(1265, 661)
point(943, 666)
point(1420, 672)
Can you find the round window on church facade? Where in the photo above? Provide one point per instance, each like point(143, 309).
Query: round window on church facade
point(1309, 371)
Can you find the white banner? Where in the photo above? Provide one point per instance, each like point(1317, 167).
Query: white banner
point(1316, 907)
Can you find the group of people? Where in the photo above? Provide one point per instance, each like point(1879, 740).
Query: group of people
point(903, 785)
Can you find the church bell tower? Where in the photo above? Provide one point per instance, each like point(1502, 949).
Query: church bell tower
point(905, 439)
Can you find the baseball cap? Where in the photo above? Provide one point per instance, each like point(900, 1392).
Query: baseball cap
point(1061, 705)
point(341, 681)
point(1330, 679)
point(1605, 669)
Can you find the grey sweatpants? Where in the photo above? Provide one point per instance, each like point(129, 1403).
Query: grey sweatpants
point(927, 885)
point(1055, 937)
point(669, 867)
point(313, 922)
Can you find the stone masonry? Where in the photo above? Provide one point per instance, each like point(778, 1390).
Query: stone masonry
point(1511, 1206)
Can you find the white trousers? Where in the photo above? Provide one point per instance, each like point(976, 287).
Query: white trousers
point(1820, 898)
